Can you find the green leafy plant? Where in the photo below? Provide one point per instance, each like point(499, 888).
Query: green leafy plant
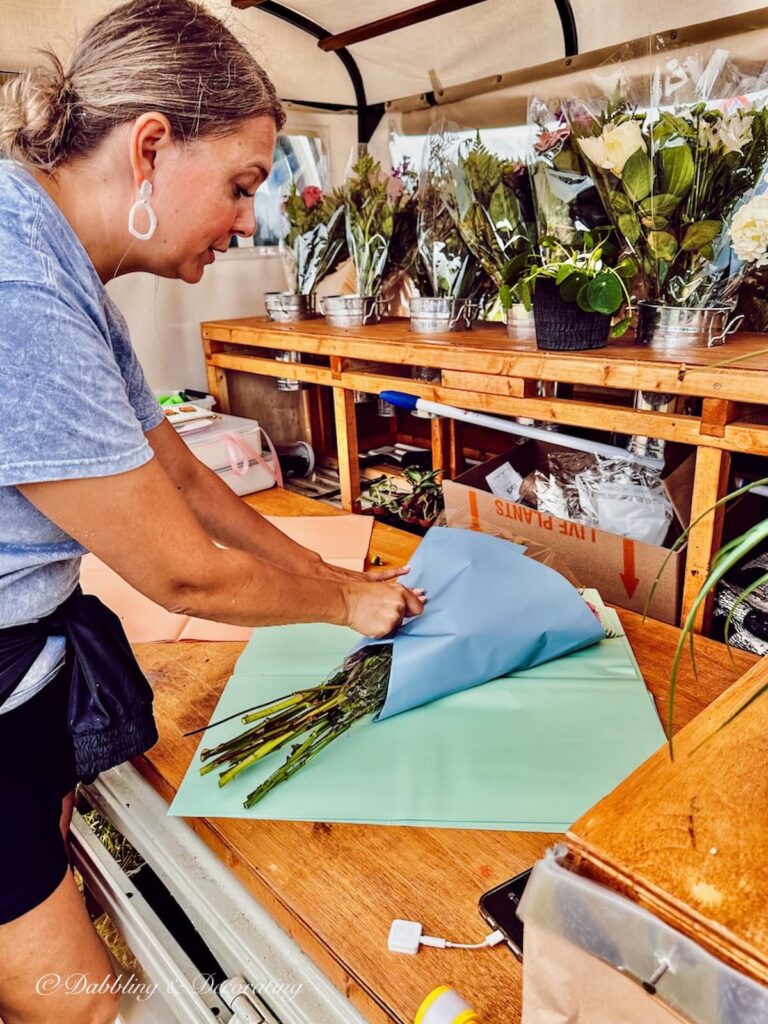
point(726, 559)
point(421, 504)
point(445, 267)
point(587, 276)
point(492, 207)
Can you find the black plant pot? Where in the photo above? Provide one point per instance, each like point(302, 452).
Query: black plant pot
point(565, 326)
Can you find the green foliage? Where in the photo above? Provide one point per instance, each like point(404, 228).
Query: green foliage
point(492, 208)
point(637, 177)
point(380, 222)
point(584, 277)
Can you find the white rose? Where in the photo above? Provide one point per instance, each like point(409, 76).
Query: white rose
point(593, 149)
point(614, 146)
point(621, 141)
point(749, 231)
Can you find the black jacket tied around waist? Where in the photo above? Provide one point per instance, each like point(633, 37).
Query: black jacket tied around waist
point(110, 700)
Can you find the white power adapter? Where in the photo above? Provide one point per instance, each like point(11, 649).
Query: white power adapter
point(407, 937)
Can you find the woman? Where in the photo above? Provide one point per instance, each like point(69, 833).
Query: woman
point(143, 155)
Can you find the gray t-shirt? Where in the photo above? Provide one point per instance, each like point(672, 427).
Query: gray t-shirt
point(73, 398)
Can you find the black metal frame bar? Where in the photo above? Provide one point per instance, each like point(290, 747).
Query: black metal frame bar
point(568, 22)
point(368, 114)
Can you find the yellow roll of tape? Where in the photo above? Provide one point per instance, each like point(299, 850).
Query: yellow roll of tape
point(446, 1006)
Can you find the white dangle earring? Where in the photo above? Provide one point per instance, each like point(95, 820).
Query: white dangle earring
point(143, 204)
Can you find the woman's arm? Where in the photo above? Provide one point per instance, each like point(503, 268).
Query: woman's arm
point(140, 525)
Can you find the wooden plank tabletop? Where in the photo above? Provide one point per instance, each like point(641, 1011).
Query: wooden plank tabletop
point(487, 349)
point(336, 888)
point(698, 862)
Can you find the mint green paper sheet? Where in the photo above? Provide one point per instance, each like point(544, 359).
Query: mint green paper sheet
point(530, 752)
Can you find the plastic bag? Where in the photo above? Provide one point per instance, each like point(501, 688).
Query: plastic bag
point(492, 207)
point(616, 495)
point(566, 199)
point(445, 267)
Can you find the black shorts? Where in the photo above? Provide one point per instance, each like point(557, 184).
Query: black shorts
point(37, 769)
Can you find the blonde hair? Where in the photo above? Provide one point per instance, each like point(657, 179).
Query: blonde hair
point(171, 56)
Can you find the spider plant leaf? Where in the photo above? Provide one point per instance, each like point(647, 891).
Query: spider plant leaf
point(748, 542)
point(684, 536)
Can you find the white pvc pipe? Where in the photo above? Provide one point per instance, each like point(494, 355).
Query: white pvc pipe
point(535, 433)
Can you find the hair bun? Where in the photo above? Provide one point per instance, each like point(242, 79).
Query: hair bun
point(37, 114)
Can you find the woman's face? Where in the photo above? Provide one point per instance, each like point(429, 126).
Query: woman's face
point(203, 193)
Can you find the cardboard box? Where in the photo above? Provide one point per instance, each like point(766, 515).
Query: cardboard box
point(623, 570)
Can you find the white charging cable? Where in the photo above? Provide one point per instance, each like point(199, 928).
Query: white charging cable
point(407, 937)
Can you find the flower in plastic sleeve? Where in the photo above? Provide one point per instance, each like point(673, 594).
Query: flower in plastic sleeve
point(312, 195)
point(547, 140)
point(395, 188)
point(749, 231)
point(614, 146)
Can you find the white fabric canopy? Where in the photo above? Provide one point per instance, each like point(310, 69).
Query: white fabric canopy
point(489, 38)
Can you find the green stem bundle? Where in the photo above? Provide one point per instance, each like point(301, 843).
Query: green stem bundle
point(310, 719)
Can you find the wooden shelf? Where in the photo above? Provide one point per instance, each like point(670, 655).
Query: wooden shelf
point(484, 370)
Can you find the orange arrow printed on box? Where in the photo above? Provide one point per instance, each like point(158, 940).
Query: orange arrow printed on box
point(628, 577)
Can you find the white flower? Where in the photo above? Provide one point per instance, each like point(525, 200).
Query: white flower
point(736, 132)
point(749, 231)
point(732, 132)
point(614, 146)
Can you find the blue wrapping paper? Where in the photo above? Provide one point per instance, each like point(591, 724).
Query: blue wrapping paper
point(490, 612)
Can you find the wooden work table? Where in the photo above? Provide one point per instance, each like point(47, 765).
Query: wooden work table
point(336, 888)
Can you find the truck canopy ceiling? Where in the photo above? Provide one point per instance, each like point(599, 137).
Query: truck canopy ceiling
point(485, 38)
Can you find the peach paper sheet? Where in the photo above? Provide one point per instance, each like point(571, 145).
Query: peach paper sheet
point(340, 540)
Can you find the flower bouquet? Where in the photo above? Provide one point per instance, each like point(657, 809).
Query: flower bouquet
point(492, 208)
point(380, 214)
point(566, 200)
point(315, 241)
point(491, 611)
point(671, 173)
point(445, 269)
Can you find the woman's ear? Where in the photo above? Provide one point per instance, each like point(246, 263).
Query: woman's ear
point(150, 134)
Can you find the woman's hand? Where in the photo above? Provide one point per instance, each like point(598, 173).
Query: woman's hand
point(376, 608)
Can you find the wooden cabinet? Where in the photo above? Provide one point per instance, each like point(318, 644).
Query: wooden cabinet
point(484, 370)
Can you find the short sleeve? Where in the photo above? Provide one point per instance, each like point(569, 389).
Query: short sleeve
point(67, 404)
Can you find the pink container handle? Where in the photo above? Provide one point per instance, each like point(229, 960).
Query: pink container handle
point(238, 448)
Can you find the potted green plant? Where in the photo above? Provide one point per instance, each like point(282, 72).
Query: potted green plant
point(574, 293)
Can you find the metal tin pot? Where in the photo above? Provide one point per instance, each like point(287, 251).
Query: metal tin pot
point(287, 383)
point(285, 307)
point(682, 327)
point(520, 324)
point(431, 315)
point(352, 310)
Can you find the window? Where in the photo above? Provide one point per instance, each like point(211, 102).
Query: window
point(512, 142)
point(298, 158)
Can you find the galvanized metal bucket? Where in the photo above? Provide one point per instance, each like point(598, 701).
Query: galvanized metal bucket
point(520, 325)
point(288, 383)
point(680, 327)
point(285, 307)
point(352, 310)
point(430, 315)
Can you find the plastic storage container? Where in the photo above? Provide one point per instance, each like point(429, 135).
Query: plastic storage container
point(233, 448)
point(610, 961)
